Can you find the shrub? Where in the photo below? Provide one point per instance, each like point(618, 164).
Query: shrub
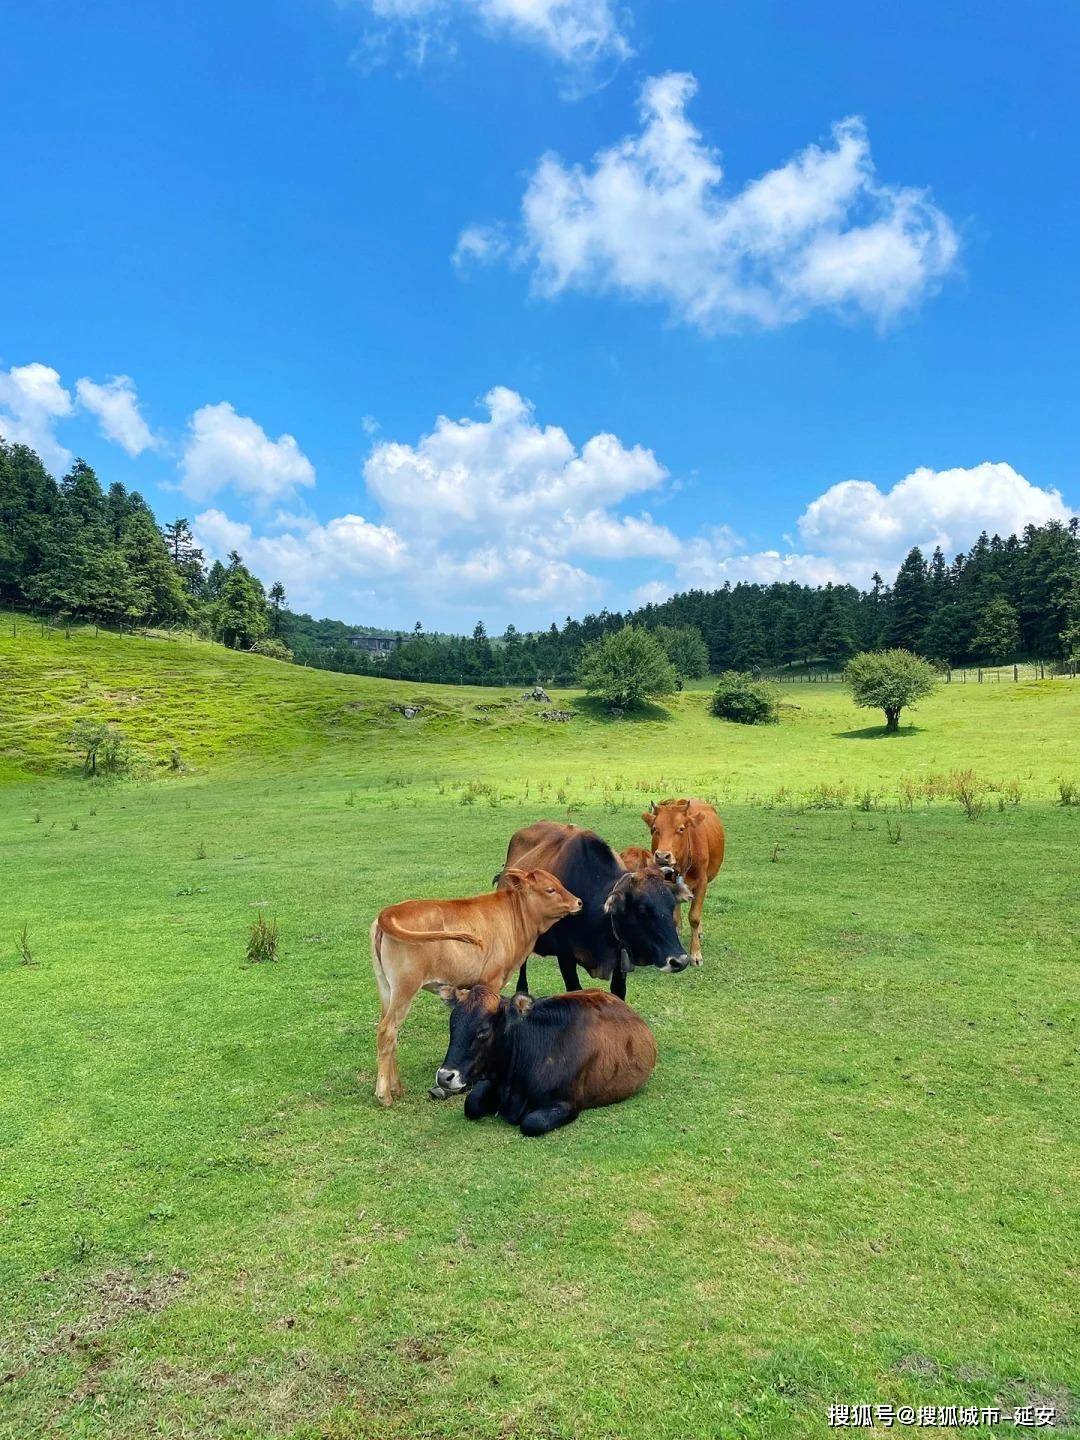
point(889, 680)
point(272, 648)
point(745, 700)
point(685, 648)
point(1068, 792)
point(102, 747)
point(626, 668)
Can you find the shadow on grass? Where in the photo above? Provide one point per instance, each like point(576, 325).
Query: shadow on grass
point(597, 709)
point(878, 732)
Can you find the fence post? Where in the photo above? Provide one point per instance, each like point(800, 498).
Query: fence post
point(1016, 674)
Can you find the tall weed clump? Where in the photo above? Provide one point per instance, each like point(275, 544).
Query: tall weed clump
point(262, 945)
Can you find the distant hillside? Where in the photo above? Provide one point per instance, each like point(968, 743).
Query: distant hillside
point(188, 702)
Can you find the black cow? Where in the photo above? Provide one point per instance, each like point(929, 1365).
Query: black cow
point(626, 919)
point(539, 1063)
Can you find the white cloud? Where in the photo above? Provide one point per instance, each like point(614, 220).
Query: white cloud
point(116, 405)
point(226, 449)
point(481, 245)
point(32, 400)
point(581, 34)
point(650, 219)
point(500, 474)
point(858, 522)
point(311, 559)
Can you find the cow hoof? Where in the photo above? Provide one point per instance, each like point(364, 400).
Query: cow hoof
point(385, 1100)
point(697, 960)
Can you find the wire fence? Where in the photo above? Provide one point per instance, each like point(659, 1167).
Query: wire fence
point(1025, 670)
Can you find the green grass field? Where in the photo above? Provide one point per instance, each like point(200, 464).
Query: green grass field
point(853, 1177)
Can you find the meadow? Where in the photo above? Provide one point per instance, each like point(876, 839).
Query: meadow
point(852, 1178)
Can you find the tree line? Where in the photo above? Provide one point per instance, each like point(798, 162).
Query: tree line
point(72, 548)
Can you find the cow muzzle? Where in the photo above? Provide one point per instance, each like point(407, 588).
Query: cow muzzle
point(664, 857)
point(674, 963)
point(450, 1081)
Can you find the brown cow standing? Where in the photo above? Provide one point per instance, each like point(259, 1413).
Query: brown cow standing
point(688, 834)
point(422, 944)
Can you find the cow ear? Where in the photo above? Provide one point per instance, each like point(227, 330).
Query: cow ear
point(447, 994)
point(618, 892)
point(512, 879)
point(522, 1004)
point(647, 816)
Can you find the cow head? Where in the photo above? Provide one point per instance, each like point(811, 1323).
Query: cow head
point(544, 898)
point(477, 1017)
point(641, 908)
point(672, 826)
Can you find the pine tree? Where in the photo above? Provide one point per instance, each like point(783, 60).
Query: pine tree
point(909, 606)
point(277, 600)
point(997, 632)
point(835, 641)
point(154, 579)
point(186, 557)
point(240, 610)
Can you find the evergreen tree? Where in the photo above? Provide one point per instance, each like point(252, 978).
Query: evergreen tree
point(155, 582)
point(186, 557)
point(835, 641)
point(909, 606)
point(240, 610)
point(997, 632)
point(277, 600)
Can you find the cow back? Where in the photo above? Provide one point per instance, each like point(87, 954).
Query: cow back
point(587, 1048)
point(588, 867)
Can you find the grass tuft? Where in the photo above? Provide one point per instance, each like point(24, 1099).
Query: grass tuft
point(262, 946)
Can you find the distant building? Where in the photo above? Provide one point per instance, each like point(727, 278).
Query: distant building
point(378, 645)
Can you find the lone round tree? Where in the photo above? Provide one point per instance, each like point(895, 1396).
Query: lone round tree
point(889, 680)
point(626, 667)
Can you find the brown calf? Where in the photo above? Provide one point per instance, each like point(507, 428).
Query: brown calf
point(688, 834)
point(422, 944)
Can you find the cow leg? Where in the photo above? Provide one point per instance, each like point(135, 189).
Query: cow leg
point(569, 974)
point(388, 1087)
point(695, 926)
point(482, 1099)
point(539, 1122)
point(618, 982)
point(523, 980)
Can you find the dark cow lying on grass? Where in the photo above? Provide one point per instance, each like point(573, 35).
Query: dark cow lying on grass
point(626, 917)
point(539, 1063)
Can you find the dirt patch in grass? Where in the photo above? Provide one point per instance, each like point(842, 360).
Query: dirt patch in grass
point(110, 1298)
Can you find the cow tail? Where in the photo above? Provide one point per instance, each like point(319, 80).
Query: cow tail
point(399, 932)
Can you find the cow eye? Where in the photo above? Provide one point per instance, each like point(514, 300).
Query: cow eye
point(681, 829)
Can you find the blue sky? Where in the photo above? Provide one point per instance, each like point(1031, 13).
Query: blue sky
point(686, 346)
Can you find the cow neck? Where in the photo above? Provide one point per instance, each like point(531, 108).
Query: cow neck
point(526, 925)
point(689, 847)
point(610, 914)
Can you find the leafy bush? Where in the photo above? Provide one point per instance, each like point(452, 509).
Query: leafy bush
point(101, 746)
point(685, 648)
point(745, 700)
point(889, 680)
point(272, 648)
point(626, 668)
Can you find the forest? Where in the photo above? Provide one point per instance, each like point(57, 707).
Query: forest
point(73, 549)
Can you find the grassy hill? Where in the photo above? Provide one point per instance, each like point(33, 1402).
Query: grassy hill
point(851, 1178)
